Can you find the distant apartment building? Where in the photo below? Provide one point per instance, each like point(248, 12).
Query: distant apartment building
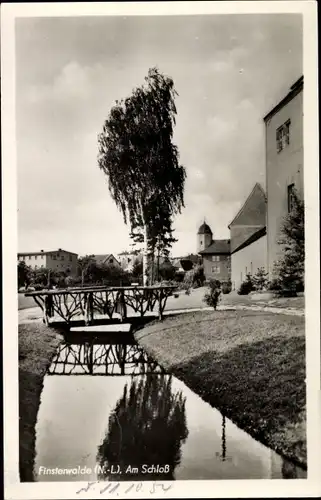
point(284, 163)
point(57, 260)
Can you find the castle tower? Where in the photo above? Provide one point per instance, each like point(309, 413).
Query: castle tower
point(204, 237)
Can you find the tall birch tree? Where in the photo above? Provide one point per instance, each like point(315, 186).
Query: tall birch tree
point(138, 156)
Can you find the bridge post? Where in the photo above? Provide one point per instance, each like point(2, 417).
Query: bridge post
point(89, 308)
point(121, 308)
point(47, 309)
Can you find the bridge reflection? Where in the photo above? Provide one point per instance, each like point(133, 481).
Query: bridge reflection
point(92, 358)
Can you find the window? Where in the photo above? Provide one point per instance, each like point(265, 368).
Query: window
point(290, 197)
point(54, 256)
point(42, 256)
point(111, 261)
point(35, 257)
point(216, 269)
point(70, 258)
point(283, 136)
point(62, 257)
point(215, 258)
point(29, 257)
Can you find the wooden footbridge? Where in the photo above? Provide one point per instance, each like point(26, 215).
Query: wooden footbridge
point(86, 303)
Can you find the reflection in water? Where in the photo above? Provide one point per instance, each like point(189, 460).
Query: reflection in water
point(153, 420)
point(146, 428)
point(89, 358)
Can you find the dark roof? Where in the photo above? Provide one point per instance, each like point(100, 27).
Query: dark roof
point(217, 246)
point(204, 229)
point(46, 252)
point(257, 235)
point(257, 189)
point(295, 89)
point(102, 258)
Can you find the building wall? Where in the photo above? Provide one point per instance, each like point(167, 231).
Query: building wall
point(248, 260)
point(128, 260)
point(282, 169)
point(35, 261)
point(112, 261)
point(62, 261)
point(217, 269)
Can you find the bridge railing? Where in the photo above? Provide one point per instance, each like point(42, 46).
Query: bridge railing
point(86, 302)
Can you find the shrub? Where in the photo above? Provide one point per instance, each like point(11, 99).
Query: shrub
point(246, 286)
point(199, 276)
point(211, 298)
point(166, 270)
point(260, 279)
point(274, 285)
point(226, 286)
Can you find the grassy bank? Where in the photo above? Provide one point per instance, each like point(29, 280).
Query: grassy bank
point(249, 365)
point(37, 344)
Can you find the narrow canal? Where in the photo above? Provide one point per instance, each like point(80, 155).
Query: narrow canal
point(110, 412)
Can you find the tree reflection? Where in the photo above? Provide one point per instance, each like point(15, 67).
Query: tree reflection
point(147, 428)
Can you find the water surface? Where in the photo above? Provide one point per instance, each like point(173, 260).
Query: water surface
point(109, 412)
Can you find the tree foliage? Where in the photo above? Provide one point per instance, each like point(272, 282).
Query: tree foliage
point(260, 279)
point(90, 273)
point(246, 286)
point(24, 274)
point(141, 162)
point(194, 278)
point(212, 296)
point(289, 269)
point(84, 265)
point(147, 426)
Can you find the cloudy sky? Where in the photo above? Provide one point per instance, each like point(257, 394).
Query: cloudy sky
point(229, 71)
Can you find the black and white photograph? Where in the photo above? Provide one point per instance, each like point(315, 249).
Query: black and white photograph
point(163, 285)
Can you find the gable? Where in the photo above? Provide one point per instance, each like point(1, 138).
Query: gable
point(253, 212)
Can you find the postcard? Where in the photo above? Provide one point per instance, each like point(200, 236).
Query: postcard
point(161, 250)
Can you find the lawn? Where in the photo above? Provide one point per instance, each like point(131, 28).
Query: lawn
point(37, 345)
point(195, 300)
point(249, 365)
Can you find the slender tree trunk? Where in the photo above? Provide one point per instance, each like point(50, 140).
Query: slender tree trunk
point(152, 267)
point(145, 256)
point(158, 265)
point(145, 248)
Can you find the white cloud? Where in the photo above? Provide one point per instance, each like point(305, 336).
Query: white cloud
point(73, 78)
